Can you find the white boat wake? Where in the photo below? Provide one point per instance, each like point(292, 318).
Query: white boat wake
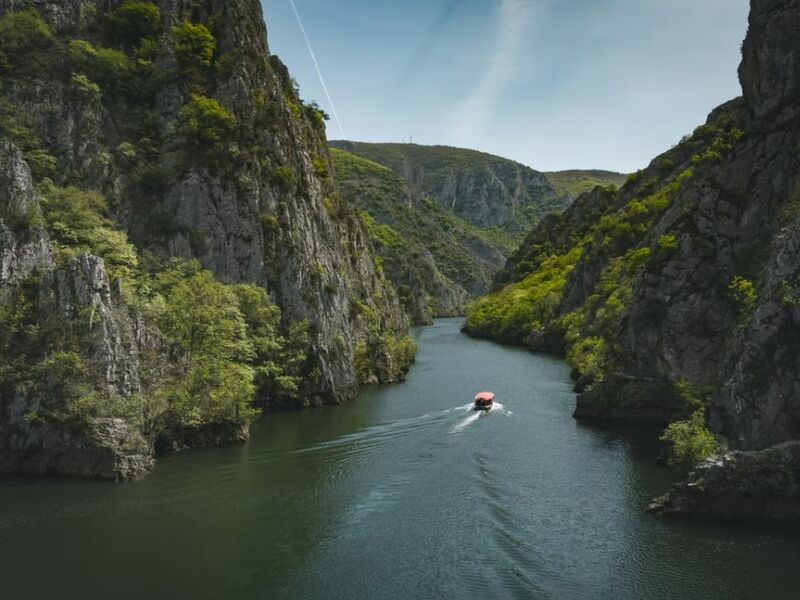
point(477, 414)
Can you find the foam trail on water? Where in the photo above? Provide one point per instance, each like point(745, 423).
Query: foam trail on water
point(501, 408)
point(463, 408)
point(464, 423)
point(379, 435)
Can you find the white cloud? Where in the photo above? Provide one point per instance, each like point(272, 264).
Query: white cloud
point(514, 21)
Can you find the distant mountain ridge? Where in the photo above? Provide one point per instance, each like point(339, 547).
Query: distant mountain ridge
point(443, 219)
point(486, 190)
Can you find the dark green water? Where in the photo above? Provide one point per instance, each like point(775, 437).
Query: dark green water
point(401, 494)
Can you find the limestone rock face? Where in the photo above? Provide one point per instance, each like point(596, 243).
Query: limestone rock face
point(739, 220)
point(245, 189)
point(736, 218)
point(105, 448)
point(256, 212)
point(113, 333)
point(111, 449)
point(686, 290)
point(23, 241)
point(770, 69)
point(78, 299)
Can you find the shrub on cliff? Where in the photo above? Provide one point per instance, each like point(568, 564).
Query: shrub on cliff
point(21, 34)
point(193, 44)
point(106, 66)
point(77, 223)
point(134, 21)
point(690, 441)
point(206, 123)
point(744, 295)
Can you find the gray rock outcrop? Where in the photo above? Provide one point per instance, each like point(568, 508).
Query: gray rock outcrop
point(760, 484)
point(23, 240)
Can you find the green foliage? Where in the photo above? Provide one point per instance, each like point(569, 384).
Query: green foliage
point(86, 87)
point(23, 34)
point(133, 21)
point(615, 238)
point(789, 294)
point(695, 396)
point(382, 234)
point(64, 376)
point(587, 357)
point(320, 166)
point(514, 311)
point(744, 295)
point(285, 177)
point(107, 66)
point(278, 358)
point(416, 239)
point(690, 441)
point(791, 209)
point(14, 127)
point(591, 330)
point(424, 171)
point(210, 353)
point(127, 151)
point(193, 44)
point(317, 115)
point(238, 327)
point(383, 357)
point(571, 184)
point(667, 243)
point(41, 162)
point(634, 177)
point(206, 123)
point(77, 223)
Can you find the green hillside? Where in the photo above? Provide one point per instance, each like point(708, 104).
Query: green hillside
point(571, 184)
point(435, 258)
point(485, 190)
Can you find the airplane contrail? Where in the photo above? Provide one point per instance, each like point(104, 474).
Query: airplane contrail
point(316, 65)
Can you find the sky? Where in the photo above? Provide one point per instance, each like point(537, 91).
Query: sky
point(553, 84)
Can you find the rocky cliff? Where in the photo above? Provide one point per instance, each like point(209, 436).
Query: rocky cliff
point(435, 258)
point(679, 293)
point(165, 131)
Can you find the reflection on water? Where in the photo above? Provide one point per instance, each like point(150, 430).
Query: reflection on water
point(405, 493)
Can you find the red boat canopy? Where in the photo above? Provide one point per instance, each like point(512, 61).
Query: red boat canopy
point(485, 396)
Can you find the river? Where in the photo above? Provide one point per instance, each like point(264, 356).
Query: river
point(404, 493)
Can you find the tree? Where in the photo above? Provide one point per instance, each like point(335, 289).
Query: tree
point(690, 441)
point(106, 66)
point(211, 350)
point(23, 30)
point(277, 357)
point(134, 21)
point(193, 44)
point(22, 34)
point(206, 122)
point(77, 224)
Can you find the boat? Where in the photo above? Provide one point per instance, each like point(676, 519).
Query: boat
point(484, 401)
